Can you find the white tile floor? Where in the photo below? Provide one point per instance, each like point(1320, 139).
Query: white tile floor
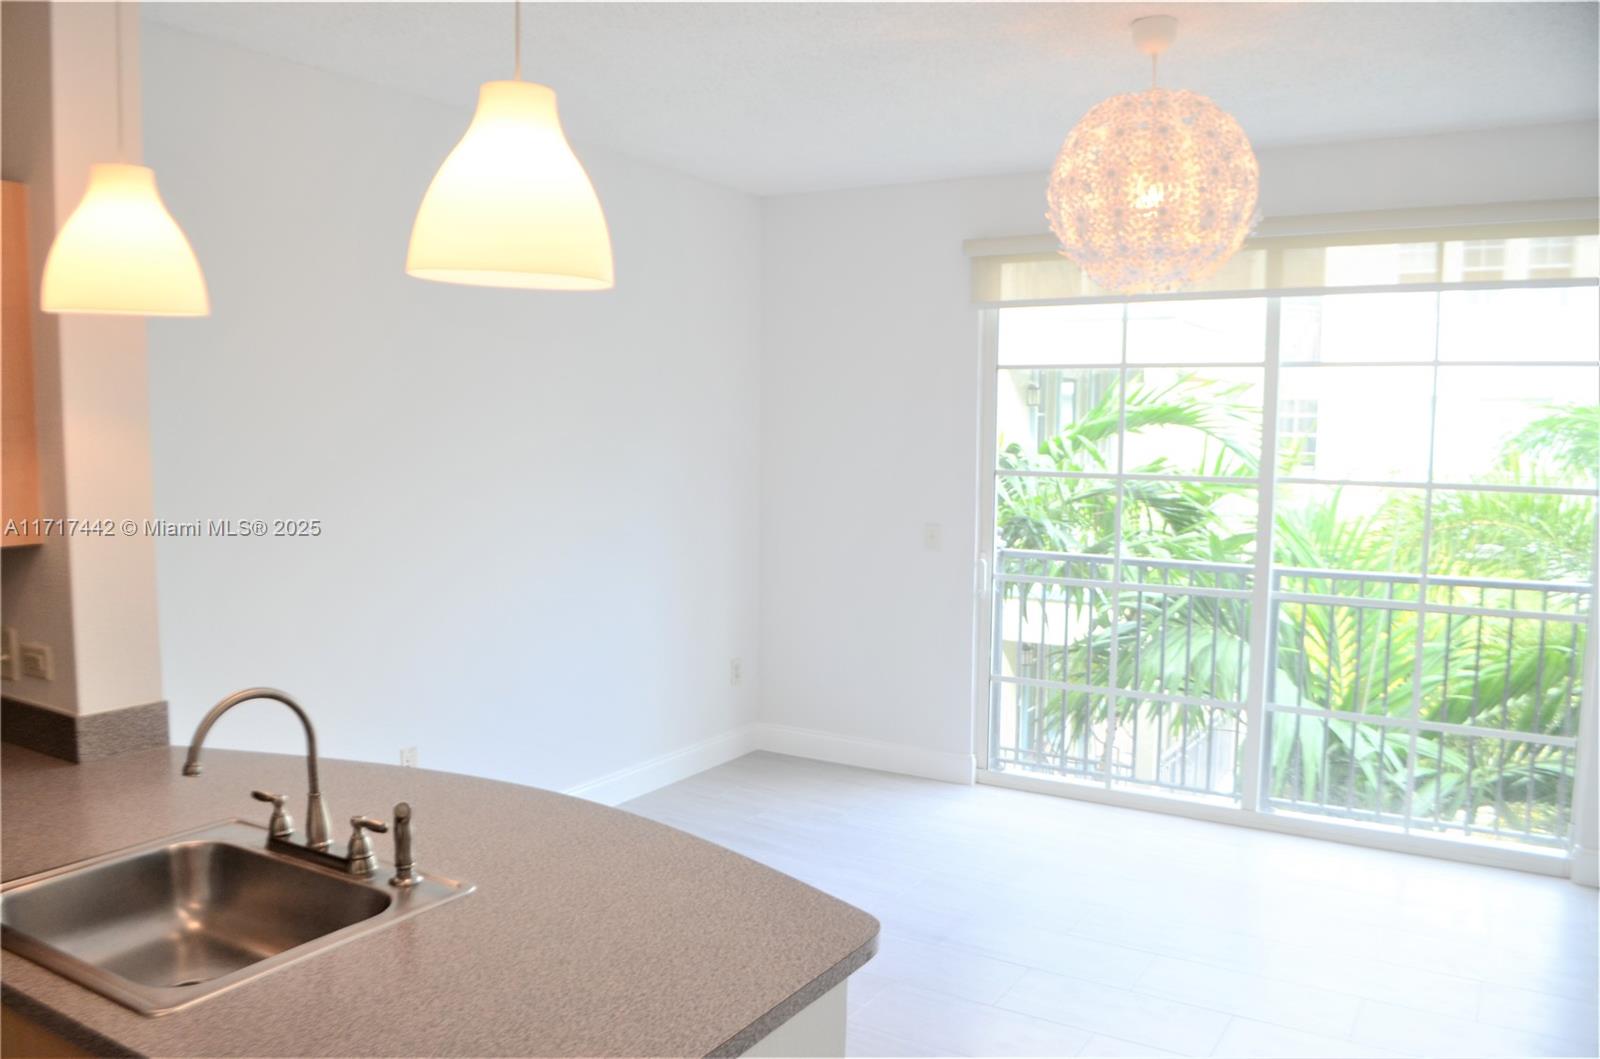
point(1023, 924)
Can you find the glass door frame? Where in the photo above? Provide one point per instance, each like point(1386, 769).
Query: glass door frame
point(1252, 809)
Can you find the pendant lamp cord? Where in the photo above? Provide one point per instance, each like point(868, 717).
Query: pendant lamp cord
point(116, 7)
point(516, 22)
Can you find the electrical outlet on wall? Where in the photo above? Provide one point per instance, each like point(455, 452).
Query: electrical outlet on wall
point(408, 757)
point(735, 671)
point(10, 654)
point(932, 536)
point(36, 661)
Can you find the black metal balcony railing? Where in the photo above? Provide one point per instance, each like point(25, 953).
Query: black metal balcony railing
point(1438, 704)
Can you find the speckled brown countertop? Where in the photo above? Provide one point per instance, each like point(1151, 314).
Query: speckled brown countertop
point(593, 932)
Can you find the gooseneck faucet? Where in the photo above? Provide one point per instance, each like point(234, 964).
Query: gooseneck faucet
point(318, 825)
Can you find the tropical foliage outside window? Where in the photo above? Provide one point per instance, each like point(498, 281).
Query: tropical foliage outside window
point(1428, 607)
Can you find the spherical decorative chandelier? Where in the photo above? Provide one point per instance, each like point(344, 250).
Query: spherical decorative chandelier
point(1153, 190)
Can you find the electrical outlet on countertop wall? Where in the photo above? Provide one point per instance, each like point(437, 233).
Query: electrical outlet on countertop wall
point(735, 671)
point(10, 654)
point(408, 757)
point(37, 661)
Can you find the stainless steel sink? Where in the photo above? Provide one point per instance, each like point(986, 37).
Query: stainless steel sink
point(165, 924)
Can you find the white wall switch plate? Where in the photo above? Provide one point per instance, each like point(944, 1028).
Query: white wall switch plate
point(933, 536)
point(408, 757)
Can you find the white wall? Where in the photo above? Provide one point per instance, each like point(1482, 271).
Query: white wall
point(870, 411)
point(539, 510)
point(542, 535)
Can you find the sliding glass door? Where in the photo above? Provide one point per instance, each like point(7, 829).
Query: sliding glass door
point(1128, 450)
point(1324, 552)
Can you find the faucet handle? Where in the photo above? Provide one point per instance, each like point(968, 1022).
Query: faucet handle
point(280, 826)
point(363, 861)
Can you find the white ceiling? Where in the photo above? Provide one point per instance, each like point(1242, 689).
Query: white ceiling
point(774, 98)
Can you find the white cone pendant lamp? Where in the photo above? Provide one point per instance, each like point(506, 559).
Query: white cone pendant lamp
point(512, 206)
point(120, 252)
point(1153, 190)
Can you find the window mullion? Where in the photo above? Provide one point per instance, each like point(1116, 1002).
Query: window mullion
point(1115, 596)
point(1252, 770)
point(1419, 650)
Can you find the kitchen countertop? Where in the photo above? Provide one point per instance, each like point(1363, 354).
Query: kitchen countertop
point(592, 932)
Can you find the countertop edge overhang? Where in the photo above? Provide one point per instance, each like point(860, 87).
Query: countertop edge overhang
point(615, 955)
point(753, 1034)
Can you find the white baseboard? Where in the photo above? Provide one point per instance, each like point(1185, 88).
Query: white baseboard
point(616, 787)
point(866, 753)
point(1586, 867)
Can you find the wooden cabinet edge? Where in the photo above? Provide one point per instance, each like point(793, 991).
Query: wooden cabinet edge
point(23, 1038)
point(19, 443)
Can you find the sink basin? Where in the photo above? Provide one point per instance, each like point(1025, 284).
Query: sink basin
point(171, 922)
